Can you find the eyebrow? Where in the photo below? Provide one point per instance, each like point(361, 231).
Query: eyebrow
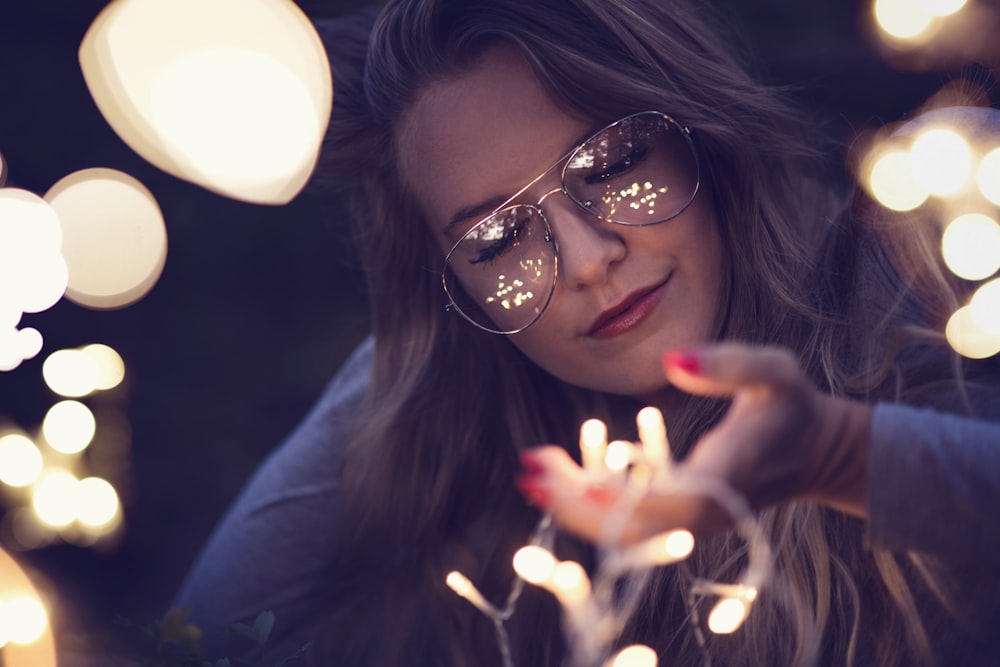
point(487, 206)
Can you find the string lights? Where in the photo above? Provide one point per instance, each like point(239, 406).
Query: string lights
point(595, 610)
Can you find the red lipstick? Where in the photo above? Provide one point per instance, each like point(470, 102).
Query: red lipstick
point(627, 313)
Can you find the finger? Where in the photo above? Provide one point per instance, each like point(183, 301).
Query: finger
point(554, 482)
point(721, 370)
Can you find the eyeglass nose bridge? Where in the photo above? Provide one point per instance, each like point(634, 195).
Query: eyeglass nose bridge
point(549, 234)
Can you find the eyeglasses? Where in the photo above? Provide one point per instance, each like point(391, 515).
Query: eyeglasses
point(640, 170)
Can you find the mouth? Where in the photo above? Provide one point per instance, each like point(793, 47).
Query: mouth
point(627, 313)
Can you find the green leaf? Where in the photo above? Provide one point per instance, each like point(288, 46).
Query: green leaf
point(263, 625)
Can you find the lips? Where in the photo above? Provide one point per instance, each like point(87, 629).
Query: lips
point(627, 313)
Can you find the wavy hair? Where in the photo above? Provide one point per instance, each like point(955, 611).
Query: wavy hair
point(428, 483)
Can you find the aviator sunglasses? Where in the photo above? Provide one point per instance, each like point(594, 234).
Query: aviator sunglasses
point(640, 170)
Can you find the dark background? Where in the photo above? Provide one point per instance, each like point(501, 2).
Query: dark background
point(257, 306)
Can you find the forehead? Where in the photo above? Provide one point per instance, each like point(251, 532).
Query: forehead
point(483, 133)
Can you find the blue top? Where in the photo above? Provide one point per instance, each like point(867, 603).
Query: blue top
point(933, 489)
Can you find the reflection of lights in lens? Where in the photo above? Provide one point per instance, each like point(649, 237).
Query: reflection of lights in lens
point(534, 564)
point(98, 502)
point(942, 161)
point(69, 427)
point(24, 619)
point(618, 455)
point(70, 373)
point(902, 19)
point(636, 655)
point(941, 7)
point(892, 182)
point(33, 272)
point(985, 307)
point(110, 366)
point(966, 338)
point(115, 242)
point(20, 460)
point(237, 106)
point(970, 246)
point(54, 498)
point(988, 177)
point(727, 616)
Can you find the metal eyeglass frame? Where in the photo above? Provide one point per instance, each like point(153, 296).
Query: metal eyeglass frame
point(565, 160)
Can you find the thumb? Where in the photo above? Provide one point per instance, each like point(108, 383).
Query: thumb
point(723, 369)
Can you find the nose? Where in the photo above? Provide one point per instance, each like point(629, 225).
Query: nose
point(587, 247)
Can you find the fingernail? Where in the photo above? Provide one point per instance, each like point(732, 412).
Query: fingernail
point(531, 462)
point(683, 360)
point(534, 490)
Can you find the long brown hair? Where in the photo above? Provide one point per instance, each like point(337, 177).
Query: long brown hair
point(427, 485)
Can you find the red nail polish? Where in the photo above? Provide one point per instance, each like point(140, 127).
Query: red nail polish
point(531, 462)
point(534, 490)
point(685, 361)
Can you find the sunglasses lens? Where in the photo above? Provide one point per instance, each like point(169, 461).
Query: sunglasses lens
point(639, 171)
point(502, 273)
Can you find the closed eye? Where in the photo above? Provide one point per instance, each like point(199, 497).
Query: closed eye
point(619, 168)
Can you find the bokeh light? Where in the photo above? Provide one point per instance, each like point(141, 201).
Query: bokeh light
point(985, 307)
point(23, 619)
point(967, 338)
point(98, 503)
point(54, 498)
point(24, 623)
point(70, 373)
point(988, 176)
point(115, 242)
point(570, 583)
point(970, 246)
point(534, 564)
point(618, 455)
point(20, 460)
point(213, 138)
point(25, 531)
point(635, 655)
point(727, 616)
point(33, 272)
point(110, 365)
point(902, 19)
point(942, 161)
point(233, 95)
point(69, 426)
point(678, 544)
point(17, 345)
point(892, 183)
point(941, 7)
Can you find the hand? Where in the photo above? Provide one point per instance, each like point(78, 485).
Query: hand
point(781, 439)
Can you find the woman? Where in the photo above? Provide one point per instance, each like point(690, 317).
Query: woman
point(503, 141)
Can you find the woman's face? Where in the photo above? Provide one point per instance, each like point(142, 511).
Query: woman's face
point(624, 295)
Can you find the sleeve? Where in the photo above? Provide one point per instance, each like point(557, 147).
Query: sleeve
point(934, 484)
point(271, 547)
